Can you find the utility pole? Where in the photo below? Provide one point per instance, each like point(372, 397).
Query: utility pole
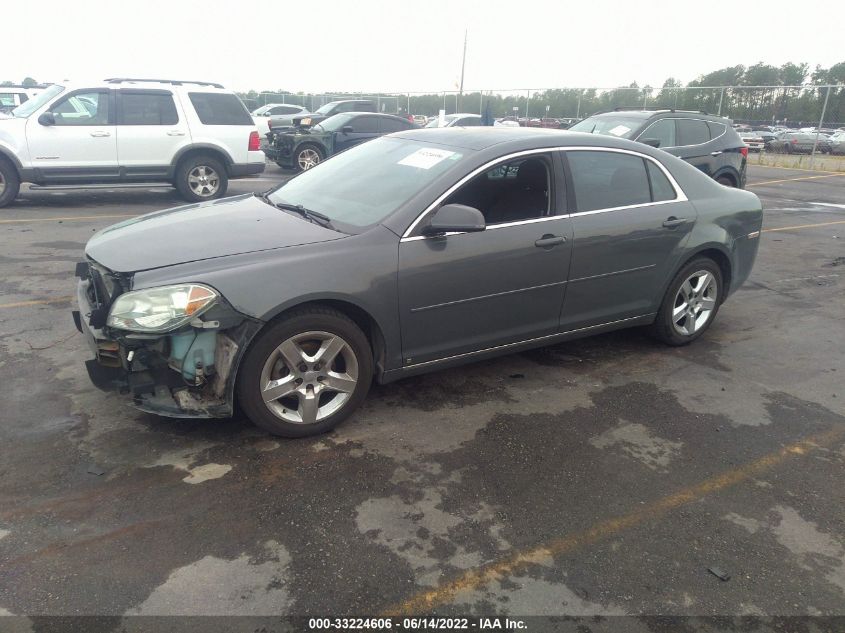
point(463, 68)
point(818, 129)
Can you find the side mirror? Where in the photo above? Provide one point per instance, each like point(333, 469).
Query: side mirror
point(455, 218)
point(347, 129)
point(47, 119)
point(653, 142)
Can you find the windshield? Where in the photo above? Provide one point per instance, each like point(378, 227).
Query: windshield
point(620, 126)
point(327, 108)
point(333, 123)
point(446, 120)
point(364, 185)
point(25, 109)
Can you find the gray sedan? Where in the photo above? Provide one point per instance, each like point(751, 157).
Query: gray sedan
point(413, 252)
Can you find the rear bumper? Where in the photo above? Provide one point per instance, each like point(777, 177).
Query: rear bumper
point(239, 170)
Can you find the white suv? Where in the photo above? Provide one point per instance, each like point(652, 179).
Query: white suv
point(194, 135)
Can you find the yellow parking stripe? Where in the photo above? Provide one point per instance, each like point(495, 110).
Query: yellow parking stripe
point(802, 226)
point(772, 182)
point(68, 219)
point(472, 579)
point(35, 302)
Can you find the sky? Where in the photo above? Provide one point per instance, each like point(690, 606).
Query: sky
point(399, 46)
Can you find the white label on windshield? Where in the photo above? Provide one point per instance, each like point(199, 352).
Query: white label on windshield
point(426, 158)
point(619, 130)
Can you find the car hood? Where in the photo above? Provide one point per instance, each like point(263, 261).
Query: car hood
point(231, 226)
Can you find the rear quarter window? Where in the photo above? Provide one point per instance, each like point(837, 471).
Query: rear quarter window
point(220, 109)
point(716, 129)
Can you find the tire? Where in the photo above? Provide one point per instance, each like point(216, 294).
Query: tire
point(688, 326)
point(308, 398)
point(307, 156)
point(10, 183)
point(726, 181)
point(198, 174)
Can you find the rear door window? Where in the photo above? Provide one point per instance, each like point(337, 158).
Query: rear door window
point(220, 109)
point(663, 131)
point(692, 132)
point(604, 180)
point(146, 108)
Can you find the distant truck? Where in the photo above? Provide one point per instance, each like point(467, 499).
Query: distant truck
point(323, 113)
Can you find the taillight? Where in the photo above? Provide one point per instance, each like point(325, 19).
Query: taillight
point(254, 142)
point(744, 151)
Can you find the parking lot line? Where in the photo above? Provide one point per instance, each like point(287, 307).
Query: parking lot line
point(69, 219)
point(802, 226)
point(34, 302)
point(474, 578)
point(772, 182)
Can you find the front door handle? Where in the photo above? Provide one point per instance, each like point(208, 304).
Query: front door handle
point(549, 240)
point(671, 222)
point(100, 133)
point(715, 153)
point(175, 133)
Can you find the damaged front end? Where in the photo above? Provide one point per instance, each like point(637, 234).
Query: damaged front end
point(174, 349)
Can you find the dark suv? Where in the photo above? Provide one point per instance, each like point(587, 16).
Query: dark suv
point(706, 141)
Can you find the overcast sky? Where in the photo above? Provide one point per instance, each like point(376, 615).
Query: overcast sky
point(369, 45)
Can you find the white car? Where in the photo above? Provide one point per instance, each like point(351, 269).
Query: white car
point(13, 96)
point(193, 135)
point(261, 116)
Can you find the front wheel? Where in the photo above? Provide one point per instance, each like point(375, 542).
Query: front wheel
point(307, 157)
point(305, 374)
point(201, 178)
point(690, 303)
point(10, 184)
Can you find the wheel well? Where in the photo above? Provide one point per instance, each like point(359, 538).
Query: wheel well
point(729, 176)
point(4, 158)
point(316, 146)
point(724, 265)
point(359, 316)
point(205, 151)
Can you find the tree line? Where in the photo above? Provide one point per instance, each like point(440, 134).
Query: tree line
point(776, 102)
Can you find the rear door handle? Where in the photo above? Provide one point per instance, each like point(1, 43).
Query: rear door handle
point(175, 133)
point(100, 133)
point(715, 153)
point(671, 222)
point(549, 240)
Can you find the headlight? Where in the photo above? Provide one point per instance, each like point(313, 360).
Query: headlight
point(159, 310)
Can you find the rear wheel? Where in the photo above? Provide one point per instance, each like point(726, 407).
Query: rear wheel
point(305, 374)
point(690, 304)
point(200, 178)
point(10, 183)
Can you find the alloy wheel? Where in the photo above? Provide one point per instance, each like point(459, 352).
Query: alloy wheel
point(2, 184)
point(694, 303)
point(308, 158)
point(309, 377)
point(203, 181)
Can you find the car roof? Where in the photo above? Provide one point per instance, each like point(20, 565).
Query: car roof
point(150, 84)
point(510, 139)
point(647, 114)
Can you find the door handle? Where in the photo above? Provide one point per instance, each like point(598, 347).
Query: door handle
point(716, 153)
point(671, 222)
point(175, 133)
point(549, 240)
point(100, 133)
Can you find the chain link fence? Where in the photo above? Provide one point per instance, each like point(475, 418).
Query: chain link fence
point(794, 106)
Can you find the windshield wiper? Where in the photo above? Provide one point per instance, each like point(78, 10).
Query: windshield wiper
point(314, 216)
